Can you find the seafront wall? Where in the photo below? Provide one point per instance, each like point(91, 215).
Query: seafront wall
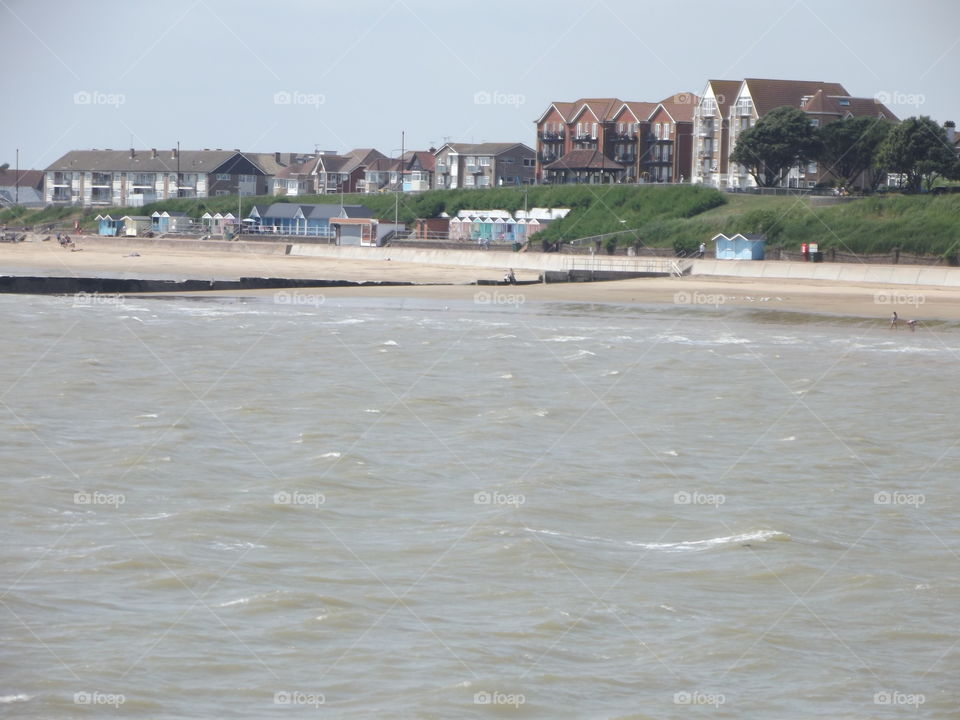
point(186, 245)
point(829, 272)
point(543, 262)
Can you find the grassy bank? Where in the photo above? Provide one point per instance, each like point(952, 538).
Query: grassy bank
point(665, 216)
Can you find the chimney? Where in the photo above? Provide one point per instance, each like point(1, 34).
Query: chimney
point(173, 154)
point(153, 153)
point(276, 158)
point(132, 154)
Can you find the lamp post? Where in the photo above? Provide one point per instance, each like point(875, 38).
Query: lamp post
point(16, 181)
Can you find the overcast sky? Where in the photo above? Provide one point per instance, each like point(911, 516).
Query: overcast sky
point(295, 75)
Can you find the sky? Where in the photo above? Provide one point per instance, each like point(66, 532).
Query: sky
point(301, 75)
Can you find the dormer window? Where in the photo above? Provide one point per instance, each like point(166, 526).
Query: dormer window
point(845, 102)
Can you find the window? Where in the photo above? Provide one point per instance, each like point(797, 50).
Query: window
point(666, 131)
point(594, 133)
point(579, 129)
point(484, 180)
point(528, 162)
point(812, 168)
point(507, 160)
point(484, 162)
point(658, 129)
point(844, 102)
point(223, 176)
point(815, 122)
point(222, 192)
point(469, 180)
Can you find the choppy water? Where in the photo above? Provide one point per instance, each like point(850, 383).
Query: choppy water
point(385, 508)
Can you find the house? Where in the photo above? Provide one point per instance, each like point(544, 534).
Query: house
point(309, 220)
point(297, 178)
point(823, 101)
point(483, 165)
point(739, 247)
point(953, 139)
point(601, 140)
point(21, 187)
point(711, 133)
point(417, 169)
point(135, 225)
point(137, 177)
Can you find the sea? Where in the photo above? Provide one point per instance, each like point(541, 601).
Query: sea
point(351, 507)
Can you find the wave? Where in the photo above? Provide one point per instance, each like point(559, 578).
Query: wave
point(683, 546)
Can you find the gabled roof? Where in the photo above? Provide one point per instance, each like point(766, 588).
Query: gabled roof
point(639, 110)
point(845, 106)
point(311, 212)
point(603, 108)
point(306, 167)
point(768, 94)
point(584, 160)
point(424, 158)
point(679, 107)
point(566, 110)
point(332, 163)
point(724, 92)
point(361, 157)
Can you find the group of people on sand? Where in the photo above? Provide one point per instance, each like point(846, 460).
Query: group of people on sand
point(64, 240)
point(895, 322)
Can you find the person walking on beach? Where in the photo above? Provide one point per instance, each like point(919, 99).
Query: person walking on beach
point(912, 324)
point(703, 249)
point(893, 320)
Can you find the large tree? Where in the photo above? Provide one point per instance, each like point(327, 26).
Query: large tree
point(781, 140)
point(918, 149)
point(849, 147)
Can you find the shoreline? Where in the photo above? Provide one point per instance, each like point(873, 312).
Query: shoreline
point(436, 281)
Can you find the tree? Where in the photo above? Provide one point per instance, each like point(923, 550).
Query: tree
point(849, 147)
point(781, 140)
point(918, 149)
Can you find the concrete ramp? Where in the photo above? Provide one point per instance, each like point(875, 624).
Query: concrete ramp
point(829, 272)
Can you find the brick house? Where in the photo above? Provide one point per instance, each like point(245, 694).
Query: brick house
point(600, 140)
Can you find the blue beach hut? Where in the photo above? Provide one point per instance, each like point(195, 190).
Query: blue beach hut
point(741, 246)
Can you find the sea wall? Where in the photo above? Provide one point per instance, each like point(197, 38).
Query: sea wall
point(555, 262)
point(830, 272)
point(186, 245)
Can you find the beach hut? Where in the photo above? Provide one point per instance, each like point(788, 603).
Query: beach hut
point(168, 221)
point(134, 225)
point(106, 225)
point(739, 247)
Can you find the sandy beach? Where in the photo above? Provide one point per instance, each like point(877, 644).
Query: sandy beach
point(435, 281)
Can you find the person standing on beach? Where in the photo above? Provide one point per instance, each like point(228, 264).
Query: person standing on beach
point(703, 249)
point(912, 324)
point(893, 320)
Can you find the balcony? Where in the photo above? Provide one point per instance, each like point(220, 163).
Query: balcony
point(584, 136)
point(552, 136)
point(625, 158)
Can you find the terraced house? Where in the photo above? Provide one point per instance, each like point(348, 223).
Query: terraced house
point(136, 177)
point(602, 140)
